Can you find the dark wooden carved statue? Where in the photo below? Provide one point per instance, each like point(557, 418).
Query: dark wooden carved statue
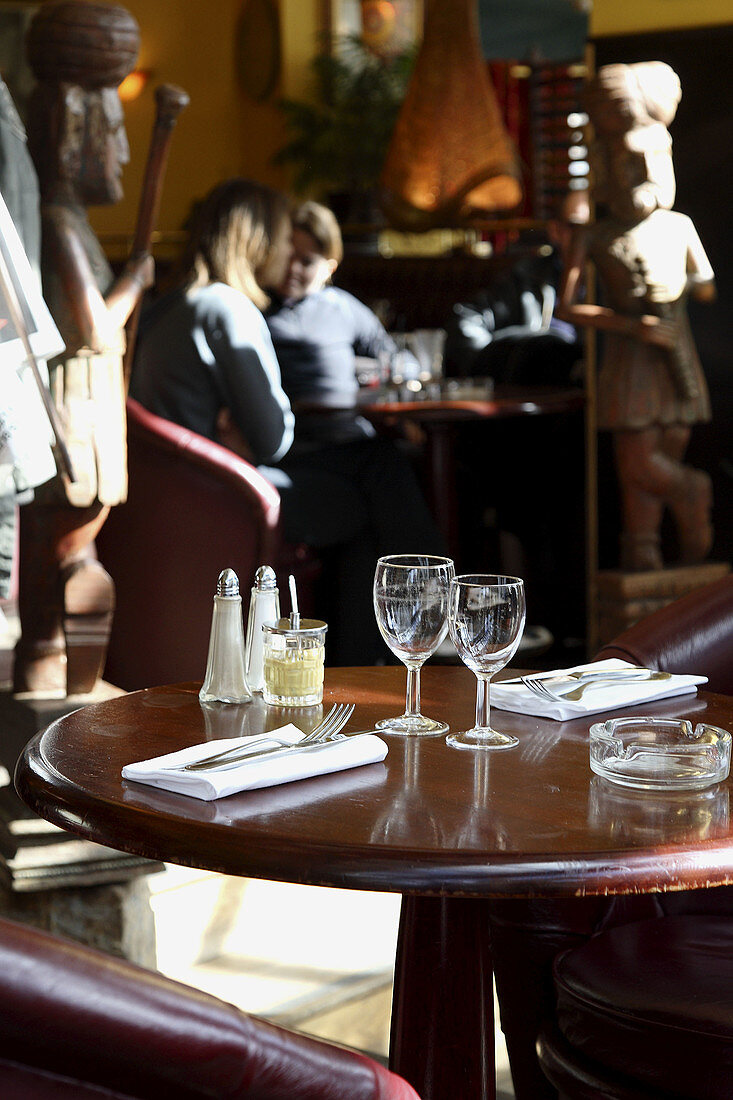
point(651, 388)
point(79, 53)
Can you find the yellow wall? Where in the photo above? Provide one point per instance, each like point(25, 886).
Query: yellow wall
point(300, 22)
point(224, 132)
point(635, 16)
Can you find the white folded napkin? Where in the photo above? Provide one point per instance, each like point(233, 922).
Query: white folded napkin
point(597, 697)
point(260, 771)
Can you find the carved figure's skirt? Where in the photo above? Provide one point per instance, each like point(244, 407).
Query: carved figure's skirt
point(637, 387)
point(88, 390)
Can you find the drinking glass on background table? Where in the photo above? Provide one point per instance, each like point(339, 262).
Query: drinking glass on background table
point(411, 605)
point(427, 346)
point(486, 617)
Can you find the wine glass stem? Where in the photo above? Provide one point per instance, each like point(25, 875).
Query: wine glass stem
point(482, 702)
point(412, 704)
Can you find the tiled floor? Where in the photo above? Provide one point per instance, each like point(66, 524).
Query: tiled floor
point(315, 959)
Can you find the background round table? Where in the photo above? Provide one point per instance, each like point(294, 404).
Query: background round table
point(441, 420)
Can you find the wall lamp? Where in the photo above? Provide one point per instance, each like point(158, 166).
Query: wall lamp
point(133, 84)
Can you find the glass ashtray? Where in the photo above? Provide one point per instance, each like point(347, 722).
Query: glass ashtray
point(659, 754)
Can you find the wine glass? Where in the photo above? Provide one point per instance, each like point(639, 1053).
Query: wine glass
point(411, 606)
point(486, 618)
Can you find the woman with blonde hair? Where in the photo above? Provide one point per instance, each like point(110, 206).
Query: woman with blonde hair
point(205, 355)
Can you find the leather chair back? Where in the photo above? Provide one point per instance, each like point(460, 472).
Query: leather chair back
point(693, 634)
point(78, 1024)
point(193, 509)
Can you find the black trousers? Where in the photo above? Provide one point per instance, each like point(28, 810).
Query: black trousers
point(354, 502)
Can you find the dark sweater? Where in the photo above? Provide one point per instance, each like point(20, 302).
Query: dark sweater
point(317, 339)
point(208, 349)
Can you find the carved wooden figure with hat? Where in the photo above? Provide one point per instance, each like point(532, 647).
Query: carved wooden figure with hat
point(79, 52)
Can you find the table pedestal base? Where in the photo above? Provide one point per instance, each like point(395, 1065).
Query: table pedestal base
point(442, 1038)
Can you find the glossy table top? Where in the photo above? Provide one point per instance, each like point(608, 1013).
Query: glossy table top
point(428, 820)
point(505, 401)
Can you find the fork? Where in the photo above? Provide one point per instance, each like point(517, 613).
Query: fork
point(326, 729)
point(584, 675)
point(280, 749)
point(538, 688)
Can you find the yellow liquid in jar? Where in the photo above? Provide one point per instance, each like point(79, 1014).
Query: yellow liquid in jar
point(295, 673)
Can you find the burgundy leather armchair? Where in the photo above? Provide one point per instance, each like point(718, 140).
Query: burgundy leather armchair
point(692, 634)
point(76, 1023)
point(193, 509)
point(645, 1012)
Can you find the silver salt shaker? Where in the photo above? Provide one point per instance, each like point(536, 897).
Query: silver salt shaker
point(226, 680)
point(264, 607)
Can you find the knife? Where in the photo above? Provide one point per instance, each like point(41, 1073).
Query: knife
point(590, 675)
point(222, 765)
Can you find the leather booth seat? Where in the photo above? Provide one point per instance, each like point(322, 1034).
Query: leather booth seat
point(644, 1011)
point(79, 1025)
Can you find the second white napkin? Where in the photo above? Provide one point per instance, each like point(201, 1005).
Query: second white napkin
point(605, 695)
point(264, 771)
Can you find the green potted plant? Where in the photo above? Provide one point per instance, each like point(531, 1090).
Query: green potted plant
point(337, 140)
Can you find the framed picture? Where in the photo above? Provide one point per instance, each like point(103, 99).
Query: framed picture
point(43, 335)
point(258, 48)
point(385, 26)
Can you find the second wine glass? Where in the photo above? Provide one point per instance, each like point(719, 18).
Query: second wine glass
point(486, 619)
point(411, 606)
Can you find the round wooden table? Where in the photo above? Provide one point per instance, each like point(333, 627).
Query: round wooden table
point(441, 419)
point(447, 829)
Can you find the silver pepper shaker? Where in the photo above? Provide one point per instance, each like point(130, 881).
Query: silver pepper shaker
point(226, 680)
point(264, 607)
